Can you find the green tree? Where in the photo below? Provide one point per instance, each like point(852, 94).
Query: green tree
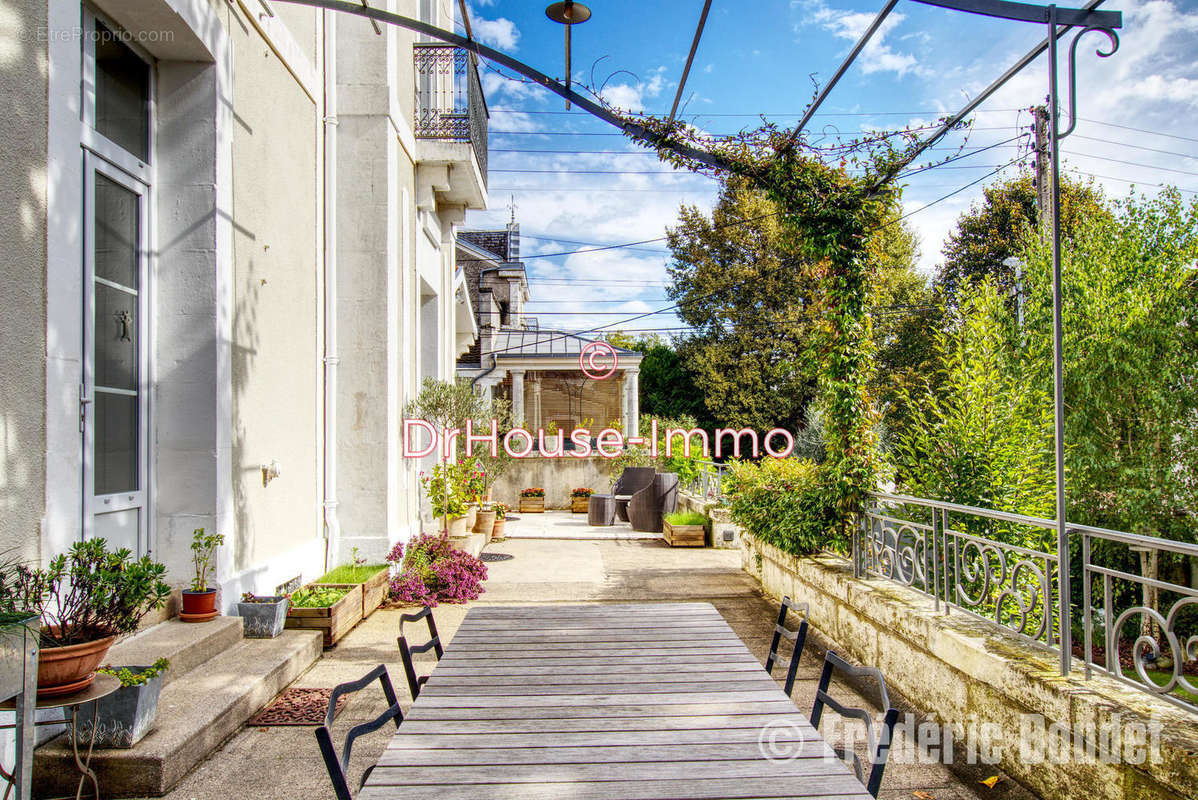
point(740, 288)
point(997, 229)
point(905, 316)
point(980, 430)
point(1130, 312)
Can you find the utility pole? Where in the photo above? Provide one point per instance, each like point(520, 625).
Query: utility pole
point(1043, 166)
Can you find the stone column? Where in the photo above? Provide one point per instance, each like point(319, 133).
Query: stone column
point(632, 387)
point(517, 396)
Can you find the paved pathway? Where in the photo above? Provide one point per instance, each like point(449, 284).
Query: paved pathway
point(284, 764)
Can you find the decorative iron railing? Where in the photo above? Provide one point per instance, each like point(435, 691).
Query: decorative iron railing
point(1004, 568)
point(449, 98)
point(709, 482)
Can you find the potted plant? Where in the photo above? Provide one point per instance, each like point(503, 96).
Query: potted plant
point(501, 510)
point(433, 571)
point(372, 577)
point(532, 500)
point(473, 482)
point(125, 716)
point(262, 617)
point(18, 644)
point(84, 599)
point(580, 499)
point(199, 602)
point(685, 529)
point(445, 497)
point(332, 610)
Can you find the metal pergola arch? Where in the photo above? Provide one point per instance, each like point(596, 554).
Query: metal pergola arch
point(1059, 21)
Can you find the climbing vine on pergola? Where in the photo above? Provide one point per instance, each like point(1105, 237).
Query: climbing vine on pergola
point(828, 212)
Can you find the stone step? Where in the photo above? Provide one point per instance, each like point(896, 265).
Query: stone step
point(185, 644)
point(196, 714)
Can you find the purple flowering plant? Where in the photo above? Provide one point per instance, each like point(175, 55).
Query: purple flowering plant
point(432, 571)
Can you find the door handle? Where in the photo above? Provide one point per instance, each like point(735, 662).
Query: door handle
point(84, 402)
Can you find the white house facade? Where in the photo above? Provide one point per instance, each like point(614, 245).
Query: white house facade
point(230, 262)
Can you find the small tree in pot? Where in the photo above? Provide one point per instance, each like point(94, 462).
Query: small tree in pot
point(199, 603)
point(85, 599)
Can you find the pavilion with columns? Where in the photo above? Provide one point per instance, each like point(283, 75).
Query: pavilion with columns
point(537, 369)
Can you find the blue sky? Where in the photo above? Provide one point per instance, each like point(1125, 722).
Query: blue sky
point(1137, 115)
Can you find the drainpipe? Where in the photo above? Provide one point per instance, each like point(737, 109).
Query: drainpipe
point(332, 525)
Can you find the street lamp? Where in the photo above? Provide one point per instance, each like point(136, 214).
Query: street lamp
point(568, 13)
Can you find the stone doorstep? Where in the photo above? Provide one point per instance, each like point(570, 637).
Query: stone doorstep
point(186, 645)
point(196, 714)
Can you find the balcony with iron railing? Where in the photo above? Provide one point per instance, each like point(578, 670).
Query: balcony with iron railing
point(450, 106)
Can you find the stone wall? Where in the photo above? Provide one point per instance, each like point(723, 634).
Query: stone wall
point(557, 476)
point(724, 534)
point(952, 666)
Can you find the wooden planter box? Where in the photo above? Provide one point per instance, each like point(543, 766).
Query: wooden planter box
point(579, 505)
point(684, 535)
point(374, 590)
point(333, 621)
point(532, 505)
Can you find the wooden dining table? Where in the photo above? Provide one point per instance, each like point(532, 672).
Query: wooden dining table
point(643, 701)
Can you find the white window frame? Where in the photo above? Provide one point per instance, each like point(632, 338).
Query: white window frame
point(102, 155)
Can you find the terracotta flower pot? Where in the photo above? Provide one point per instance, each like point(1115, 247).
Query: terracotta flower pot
point(67, 670)
point(485, 523)
point(198, 606)
point(497, 529)
point(458, 526)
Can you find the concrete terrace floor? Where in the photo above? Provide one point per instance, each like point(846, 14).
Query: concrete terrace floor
point(281, 763)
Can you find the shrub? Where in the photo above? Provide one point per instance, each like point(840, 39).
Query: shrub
point(686, 518)
point(446, 501)
point(433, 571)
point(128, 677)
point(581, 491)
point(86, 594)
point(535, 491)
point(317, 596)
point(785, 502)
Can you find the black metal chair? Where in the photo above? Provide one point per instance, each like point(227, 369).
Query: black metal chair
point(878, 745)
point(799, 637)
point(337, 764)
point(406, 651)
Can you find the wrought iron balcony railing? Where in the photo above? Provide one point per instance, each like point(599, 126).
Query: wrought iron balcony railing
point(449, 98)
point(1139, 628)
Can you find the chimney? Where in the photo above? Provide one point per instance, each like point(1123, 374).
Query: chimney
point(513, 241)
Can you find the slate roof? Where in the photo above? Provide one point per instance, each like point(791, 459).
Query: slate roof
point(525, 343)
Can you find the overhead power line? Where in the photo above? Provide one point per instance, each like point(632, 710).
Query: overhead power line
point(673, 308)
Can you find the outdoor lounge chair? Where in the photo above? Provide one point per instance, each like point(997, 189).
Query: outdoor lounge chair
point(631, 481)
point(335, 763)
point(799, 637)
point(406, 650)
point(879, 746)
point(647, 506)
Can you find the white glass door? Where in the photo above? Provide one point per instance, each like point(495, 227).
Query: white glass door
point(113, 396)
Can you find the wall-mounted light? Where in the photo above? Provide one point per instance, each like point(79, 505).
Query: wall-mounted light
point(270, 472)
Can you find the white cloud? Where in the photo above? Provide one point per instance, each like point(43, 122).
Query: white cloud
point(878, 56)
point(501, 33)
point(631, 96)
